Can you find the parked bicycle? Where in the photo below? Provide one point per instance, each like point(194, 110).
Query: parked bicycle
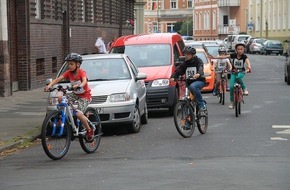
point(187, 115)
point(61, 126)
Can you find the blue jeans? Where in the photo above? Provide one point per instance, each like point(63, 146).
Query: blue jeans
point(195, 89)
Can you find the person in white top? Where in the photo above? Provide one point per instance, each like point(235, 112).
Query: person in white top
point(100, 45)
point(221, 65)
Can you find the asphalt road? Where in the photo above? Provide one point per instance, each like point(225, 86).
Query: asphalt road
point(250, 152)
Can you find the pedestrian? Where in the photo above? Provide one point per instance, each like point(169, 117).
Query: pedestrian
point(81, 93)
point(100, 45)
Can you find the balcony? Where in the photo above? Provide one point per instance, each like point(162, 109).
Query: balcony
point(228, 3)
point(225, 29)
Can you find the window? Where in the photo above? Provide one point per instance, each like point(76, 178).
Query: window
point(38, 9)
point(214, 20)
point(40, 70)
point(189, 4)
point(84, 10)
point(173, 4)
point(153, 5)
point(170, 27)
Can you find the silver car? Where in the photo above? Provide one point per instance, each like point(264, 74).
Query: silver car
point(118, 89)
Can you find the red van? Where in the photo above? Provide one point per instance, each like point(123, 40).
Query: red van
point(155, 55)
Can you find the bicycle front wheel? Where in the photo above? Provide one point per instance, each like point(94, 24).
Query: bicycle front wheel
point(184, 119)
point(92, 145)
point(55, 140)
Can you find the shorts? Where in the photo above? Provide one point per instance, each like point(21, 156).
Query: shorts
point(82, 102)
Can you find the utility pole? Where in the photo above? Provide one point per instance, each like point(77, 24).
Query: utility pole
point(261, 18)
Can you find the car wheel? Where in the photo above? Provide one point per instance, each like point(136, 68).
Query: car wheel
point(144, 117)
point(171, 109)
point(135, 125)
point(288, 78)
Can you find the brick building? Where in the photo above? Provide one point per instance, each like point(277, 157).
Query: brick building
point(215, 19)
point(161, 15)
point(36, 35)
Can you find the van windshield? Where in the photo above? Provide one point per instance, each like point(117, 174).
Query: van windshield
point(146, 55)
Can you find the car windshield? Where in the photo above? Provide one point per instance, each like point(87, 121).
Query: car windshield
point(242, 38)
point(147, 55)
point(103, 69)
point(274, 43)
point(212, 50)
point(202, 56)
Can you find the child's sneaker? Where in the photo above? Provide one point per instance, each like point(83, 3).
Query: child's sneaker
point(90, 134)
point(246, 92)
point(214, 92)
point(231, 106)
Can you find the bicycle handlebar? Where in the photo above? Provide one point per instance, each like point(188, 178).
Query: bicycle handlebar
point(61, 88)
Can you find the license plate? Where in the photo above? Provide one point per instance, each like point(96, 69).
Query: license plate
point(100, 110)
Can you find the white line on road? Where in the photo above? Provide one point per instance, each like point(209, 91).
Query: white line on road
point(281, 126)
point(278, 139)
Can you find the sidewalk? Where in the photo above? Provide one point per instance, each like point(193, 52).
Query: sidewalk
point(21, 117)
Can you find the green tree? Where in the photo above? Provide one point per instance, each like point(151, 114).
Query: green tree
point(187, 28)
point(177, 26)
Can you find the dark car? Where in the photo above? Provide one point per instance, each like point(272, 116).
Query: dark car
point(287, 64)
point(272, 47)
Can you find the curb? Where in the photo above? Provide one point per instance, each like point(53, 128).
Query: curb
point(15, 144)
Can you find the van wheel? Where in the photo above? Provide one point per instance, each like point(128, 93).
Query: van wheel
point(171, 109)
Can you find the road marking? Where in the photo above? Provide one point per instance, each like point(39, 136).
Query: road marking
point(285, 131)
point(278, 139)
point(281, 126)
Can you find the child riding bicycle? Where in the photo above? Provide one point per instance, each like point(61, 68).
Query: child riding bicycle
point(240, 64)
point(81, 93)
point(193, 66)
point(220, 66)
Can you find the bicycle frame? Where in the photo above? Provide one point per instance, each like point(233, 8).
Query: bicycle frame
point(238, 92)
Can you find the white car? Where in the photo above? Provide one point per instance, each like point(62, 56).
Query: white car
point(118, 89)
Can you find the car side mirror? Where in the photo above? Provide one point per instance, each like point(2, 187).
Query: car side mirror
point(48, 81)
point(141, 76)
point(180, 60)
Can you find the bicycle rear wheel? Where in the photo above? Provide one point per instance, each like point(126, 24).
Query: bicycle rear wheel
point(224, 88)
point(92, 145)
point(54, 142)
point(202, 121)
point(184, 119)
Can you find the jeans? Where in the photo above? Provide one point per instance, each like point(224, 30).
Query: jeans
point(195, 89)
point(240, 76)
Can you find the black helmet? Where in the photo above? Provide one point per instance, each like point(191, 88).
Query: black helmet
point(240, 44)
point(189, 49)
point(74, 57)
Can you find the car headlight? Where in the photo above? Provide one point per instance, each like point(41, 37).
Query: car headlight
point(119, 97)
point(160, 82)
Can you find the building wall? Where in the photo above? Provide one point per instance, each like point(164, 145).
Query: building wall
point(158, 19)
point(277, 16)
point(45, 31)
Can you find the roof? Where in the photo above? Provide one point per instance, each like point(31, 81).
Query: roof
point(147, 39)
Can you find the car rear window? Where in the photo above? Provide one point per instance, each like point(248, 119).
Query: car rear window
point(147, 55)
point(202, 56)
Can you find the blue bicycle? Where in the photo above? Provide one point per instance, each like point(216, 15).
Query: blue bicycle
point(61, 126)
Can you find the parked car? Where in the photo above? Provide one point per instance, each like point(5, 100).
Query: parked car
point(272, 47)
point(234, 39)
point(194, 44)
point(117, 87)
point(287, 64)
point(209, 74)
point(155, 54)
point(248, 43)
point(256, 46)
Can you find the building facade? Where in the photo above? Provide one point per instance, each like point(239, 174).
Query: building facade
point(269, 19)
point(36, 35)
point(215, 19)
point(161, 15)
